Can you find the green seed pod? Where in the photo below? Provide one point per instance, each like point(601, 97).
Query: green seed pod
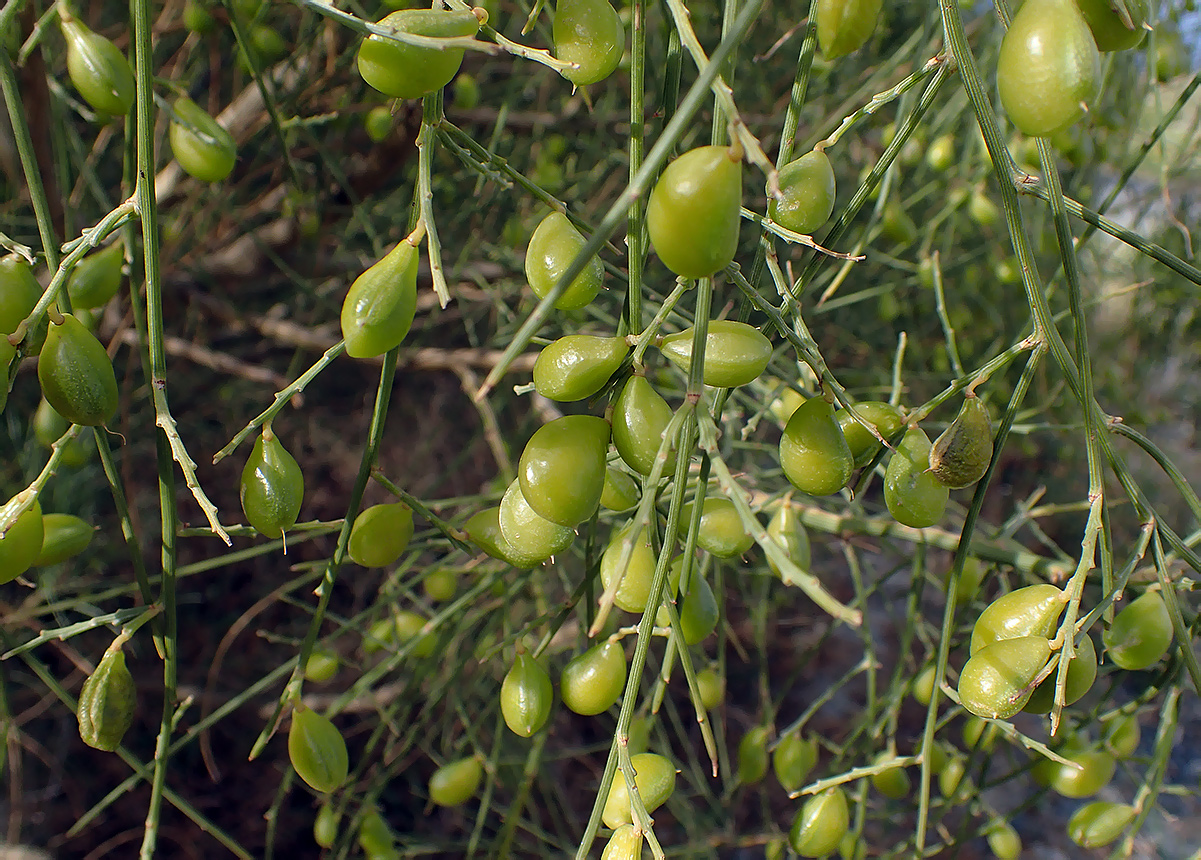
point(1081, 674)
point(380, 535)
point(562, 469)
point(893, 782)
point(378, 123)
point(1049, 68)
point(317, 750)
point(531, 538)
point(483, 530)
point(711, 687)
point(577, 366)
point(526, 696)
point(721, 531)
point(953, 782)
point(76, 375)
point(197, 19)
point(1096, 824)
point(813, 452)
point(20, 545)
point(640, 734)
point(694, 212)
point(555, 244)
point(107, 703)
point(735, 353)
point(405, 626)
point(625, 843)
point(1140, 634)
point(63, 536)
point(98, 69)
point(785, 529)
point(941, 154)
point(321, 666)
point(792, 760)
point(1109, 30)
point(375, 837)
point(325, 825)
point(655, 777)
point(997, 681)
point(844, 25)
point(441, 585)
point(1090, 771)
point(96, 278)
point(201, 145)
point(979, 733)
point(821, 823)
point(455, 783)
point(634, 590)
point(590, 34)
point(1004, 841)
point(863, 445)
point(1030, 611)
point(914, 496)
point(272, 487)
point(752, 756)
point(1123, 736)
point(19, 292)
point(592, 682)
point(699, 612)
point(408, 71)
point(379, 307)
point(923, 685)
point(960, 456)
point(621, 492)
point(807, 194)
point(640, 417)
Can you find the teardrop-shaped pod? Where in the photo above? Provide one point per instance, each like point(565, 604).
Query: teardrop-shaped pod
point(21, 544)
point(640, 417)
point(197, 18)
point(483, 530)
point(590, 34)
point(592, 682)
point(721, 531)
point(625, 843)
point(317, 750)
point(655, 778)
point(891, 782)
point(813, 452)
point(792, 760)
point(456, 782)
point(98, 69)
point(322, 665)
point(1090, 771)
point(19, 292)
point(864, 446)
point(96, 278)
point(107, 703)
point(960, 455)
point(562, 469)
point(844, 25)
point(1096, 824)
point(699, 612)
point(325, 823)
point(64, 536)
point(531, 538)
point(997, 681)
point(1004, 842)
point(1109, 30)
point(555, 243)
point(408, 71)
point(694, 212)
point(76, 374)
point(621, 492)
point(786, 529)
point(1140, 634)
point(1081, 673)
point(752, 756)
point(914, 496)
point(577, 366)
point(379, 307)
point(380, 534)
point(1123, 736)
point(1032, 610)
point(821, 823)
point(735, 353)
point(807, 194)
point(375, 837)
point(526, 696)
point(201, 145)
point(953, 782)
point(272, 486)
point(634, 590)
point(711, 687)
point(409, 626)
point(1049, 68)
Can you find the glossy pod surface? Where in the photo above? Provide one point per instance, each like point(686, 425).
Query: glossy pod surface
point(21, 544)
point(19, 292)
point(807, 189)
point(721, 531)
point(555, 244)
point(821, 823)
point(409, 71)
point(621, 492)
point(1096, 824)
point(531, 538)
point(203, 148)
point(892, 782)
point(107, 703)
point(98, 69)
point(1032, 610)
point(1093, 770)
point(1004, 842)
point(272, 487)
point(813, 452)
point(317, 750)
point(592, 682)
point(1109, 30)
point(63, 536)
point(634, 590)
point(76, 375)
point(711, 687)
point(997, 681)
point(562, 469)
point(655, 777)
point(590, 34)
point(456, 782)
point(96, 278)
point(625, 843)
point(752, 756)
point(863, 445)
point(844, 25)
point(693, 215)
point(913, 495)
point(526, 696)
point(483, 530)
point(577, 366)
point(699, 612)
point(1048, 69)
point(785, 529)
point(380, 534)
point(960, 455)
point(792, 760)
point(1081, 674)
point(640, 416)
point(735, 353)
point(1140, 634)
point(378, 310)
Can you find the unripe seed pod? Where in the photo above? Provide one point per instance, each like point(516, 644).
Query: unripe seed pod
point(98, 69)
point(107, 703)
point(960, 456)
point(317, 750)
